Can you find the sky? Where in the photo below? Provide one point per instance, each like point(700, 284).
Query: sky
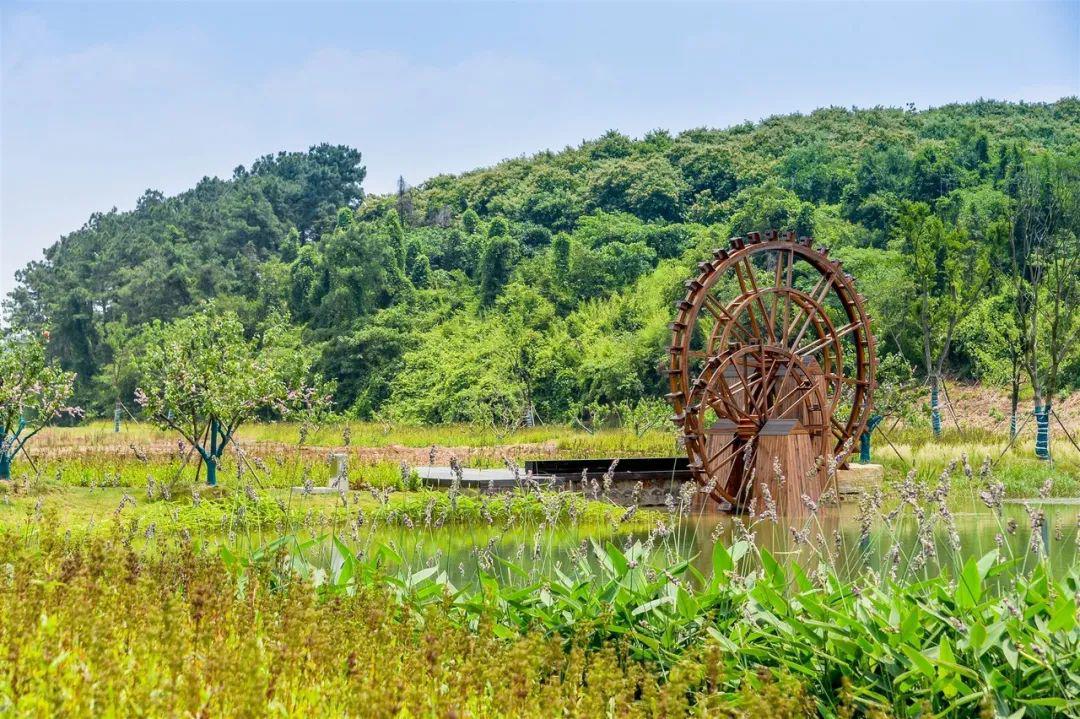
point(100, 101)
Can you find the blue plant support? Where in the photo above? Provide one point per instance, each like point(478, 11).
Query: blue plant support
point(864, 438)
point(935, 413)
point(1042, 431)
point(9, 445)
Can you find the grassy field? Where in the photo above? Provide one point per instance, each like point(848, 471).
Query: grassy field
point(283, 454)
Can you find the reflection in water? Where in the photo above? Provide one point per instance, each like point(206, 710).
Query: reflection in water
point(837, 535)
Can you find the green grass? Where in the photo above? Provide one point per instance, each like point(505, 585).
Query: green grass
point(93, 455)
point(1017, 468)
point(230, 513)
point(97, 628)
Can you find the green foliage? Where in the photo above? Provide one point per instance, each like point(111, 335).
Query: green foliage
point(33, 393)
point(66, 609)
point(921, 206)
point(203, 379)
point(497, 264)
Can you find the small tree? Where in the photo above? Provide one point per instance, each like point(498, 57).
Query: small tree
point(203, 379)
point(950, 271)
point(33, 391)
point(1045, 254)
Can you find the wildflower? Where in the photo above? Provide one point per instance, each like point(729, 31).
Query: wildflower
point(778, 471)
point(1036, 521)
point(993, 496)
point(770, 505)
point(798, 536)
point(686, 495)
point(455, 483)
point(950, 527)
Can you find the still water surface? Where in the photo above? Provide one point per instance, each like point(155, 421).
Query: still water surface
point(839, 531)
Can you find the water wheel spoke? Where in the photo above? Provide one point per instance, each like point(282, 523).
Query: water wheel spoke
point(835, 336)
point(722, 315)
point(806, 390)
point(716, 455)
point(820, 292)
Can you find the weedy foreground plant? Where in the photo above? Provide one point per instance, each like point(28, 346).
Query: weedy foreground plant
point(352, 625)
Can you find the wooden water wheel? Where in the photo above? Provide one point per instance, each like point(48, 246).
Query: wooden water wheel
point(772, 369)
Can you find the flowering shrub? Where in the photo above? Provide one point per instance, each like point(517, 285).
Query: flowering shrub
point(33, 391)
point(203, 379)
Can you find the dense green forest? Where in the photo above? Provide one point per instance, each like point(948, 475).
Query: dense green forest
point(547, 282)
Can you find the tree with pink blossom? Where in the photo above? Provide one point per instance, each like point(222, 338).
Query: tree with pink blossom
point(33, 392)
point(203, 378)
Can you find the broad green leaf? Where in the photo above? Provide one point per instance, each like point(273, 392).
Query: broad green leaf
point(721, 562)
point(1063, 616)
point(969, 586)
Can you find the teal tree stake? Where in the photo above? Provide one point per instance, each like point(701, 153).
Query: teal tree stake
point(1042, 431)
point(864, 438)
point(204, 379)
point(935, 411)
point(33, 392)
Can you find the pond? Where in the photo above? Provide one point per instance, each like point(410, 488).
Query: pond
point(842, 536)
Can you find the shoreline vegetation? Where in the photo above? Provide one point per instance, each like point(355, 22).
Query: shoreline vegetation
point(347, 616)
point(286, 454)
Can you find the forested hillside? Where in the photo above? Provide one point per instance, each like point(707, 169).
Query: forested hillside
point(548, 281)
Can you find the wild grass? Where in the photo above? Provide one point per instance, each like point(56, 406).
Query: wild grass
point(631, 625)
point(93, 455)
point(256, 515)
point(91, 629)
point(1016, 467)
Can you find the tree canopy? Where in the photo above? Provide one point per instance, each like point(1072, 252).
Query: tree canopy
point(545, 283)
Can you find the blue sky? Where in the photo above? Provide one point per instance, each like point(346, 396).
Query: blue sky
point(101, 101)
